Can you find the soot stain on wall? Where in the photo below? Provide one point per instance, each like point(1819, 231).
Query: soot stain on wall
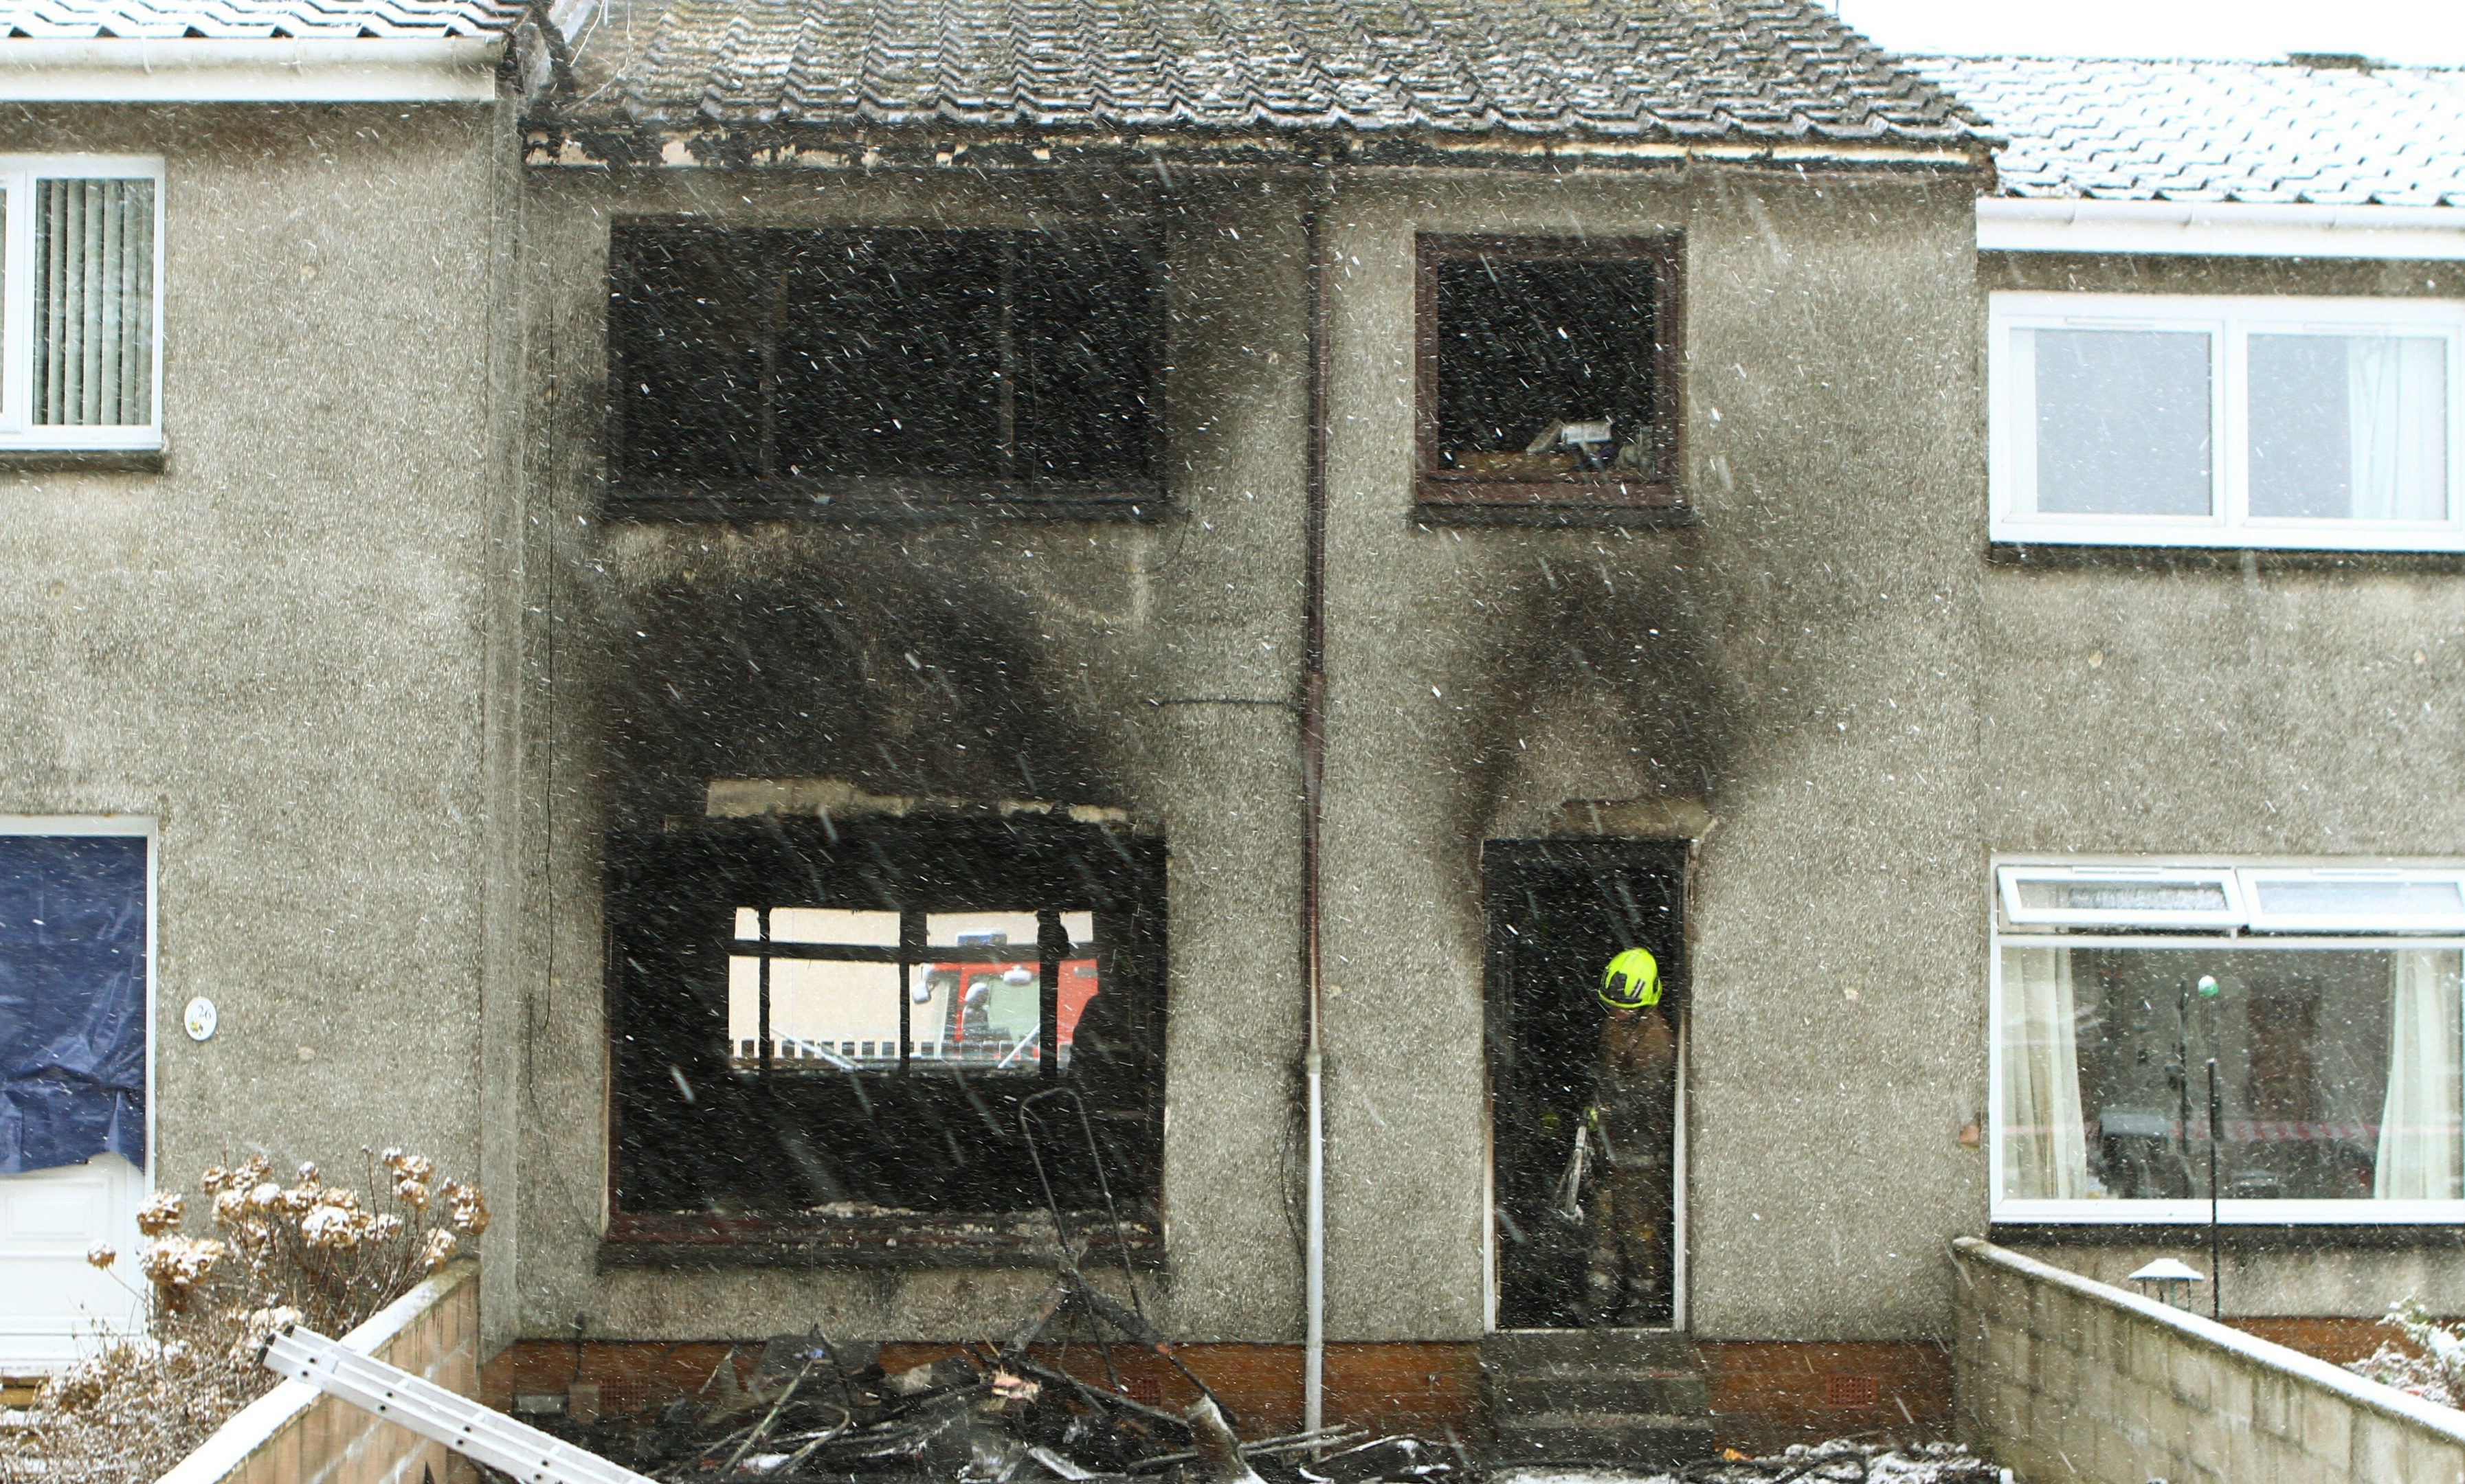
point(1624, 645)
point(902, 674)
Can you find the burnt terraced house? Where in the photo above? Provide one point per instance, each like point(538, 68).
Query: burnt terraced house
point(689, 606)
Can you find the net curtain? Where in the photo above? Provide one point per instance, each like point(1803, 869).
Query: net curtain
point(72, 1000)
point(2396, 393)
point(2420, 1142)
point(2045, 1146)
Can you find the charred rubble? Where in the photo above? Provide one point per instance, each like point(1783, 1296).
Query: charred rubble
point(1015, 1412)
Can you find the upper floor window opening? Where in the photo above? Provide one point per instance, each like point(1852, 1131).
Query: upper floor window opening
point(1549, 372)
point(2127, 419)
point(80, 291)
point(891, 365)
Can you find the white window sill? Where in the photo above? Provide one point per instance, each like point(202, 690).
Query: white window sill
point(2230, 1214)
point(2206, 536)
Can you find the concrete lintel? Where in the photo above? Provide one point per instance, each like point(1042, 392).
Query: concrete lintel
point(751, 798)
point(1636, 819)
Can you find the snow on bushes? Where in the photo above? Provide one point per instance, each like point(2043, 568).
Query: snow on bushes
point(308, 1254)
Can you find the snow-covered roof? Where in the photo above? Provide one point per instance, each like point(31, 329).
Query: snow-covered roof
point(2334, 131)
point(254, 19)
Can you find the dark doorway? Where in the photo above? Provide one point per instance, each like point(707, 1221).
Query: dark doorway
point(1589, 1240)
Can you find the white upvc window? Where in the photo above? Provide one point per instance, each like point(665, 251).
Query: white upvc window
point(2331, 998)
point(81, 302)
point(2176, 420)
point(2121, 896)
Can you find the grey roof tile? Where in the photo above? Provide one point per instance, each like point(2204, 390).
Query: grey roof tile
point(254, 19)
point(2231, 131)
point(1763, 70)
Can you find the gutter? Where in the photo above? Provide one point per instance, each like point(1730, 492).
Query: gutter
point(216, 69)
point(2223, 228)
point(603, 142)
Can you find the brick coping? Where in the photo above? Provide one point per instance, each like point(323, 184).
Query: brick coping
point(2388, 1401)
point(260, 1422)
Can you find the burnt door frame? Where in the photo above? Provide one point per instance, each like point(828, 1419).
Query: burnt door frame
point(1504, 859)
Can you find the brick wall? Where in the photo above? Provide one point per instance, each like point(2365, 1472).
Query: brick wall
point(1397, 1386)
point(296, 1434)
point(1769, 1394)
point(2062, 1378)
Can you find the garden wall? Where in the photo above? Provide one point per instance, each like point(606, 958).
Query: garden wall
point(2060, 1377)
point(296, 1434)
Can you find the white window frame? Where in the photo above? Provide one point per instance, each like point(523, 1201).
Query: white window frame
point(18, 430)
point(2229, 322)
point(2257, 933)
point(2263, 920)
point(2010, 877)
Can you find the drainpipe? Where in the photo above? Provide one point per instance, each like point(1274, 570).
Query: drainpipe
point(1313, 761)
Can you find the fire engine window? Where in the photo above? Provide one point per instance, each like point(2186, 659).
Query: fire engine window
point(888, 364)
point(778, 1052)
point(979, 929)
point(1547, 371)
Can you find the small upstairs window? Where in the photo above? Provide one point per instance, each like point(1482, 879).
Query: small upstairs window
point(886, 367)
point(2170, 420)
point(81, 286)
point(1548, 373)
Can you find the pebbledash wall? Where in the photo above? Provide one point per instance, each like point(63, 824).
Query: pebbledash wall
point(1864, 698)
point(2062, 1378)
point(1801, 661)
point(2227, 703)
point(359, 646)
point(278, 644)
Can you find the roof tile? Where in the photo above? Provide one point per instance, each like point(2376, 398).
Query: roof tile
point(1765, 70)
point(254, 19)
point(2217, 131)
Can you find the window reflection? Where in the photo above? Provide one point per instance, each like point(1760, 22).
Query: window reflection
point(841, 991)
point(2339, 1070)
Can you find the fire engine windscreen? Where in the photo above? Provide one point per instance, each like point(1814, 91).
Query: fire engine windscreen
point(973, 1000)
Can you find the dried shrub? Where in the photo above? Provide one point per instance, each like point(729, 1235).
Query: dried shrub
point(311, 1253)
point(2429, 1362)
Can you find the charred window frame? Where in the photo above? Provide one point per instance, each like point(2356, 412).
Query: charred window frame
point(886, 367)
point(906, 1152)
point(1518, 334)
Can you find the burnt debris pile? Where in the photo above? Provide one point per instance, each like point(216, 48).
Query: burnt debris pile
point(990, 1415)
point(1007, 1413)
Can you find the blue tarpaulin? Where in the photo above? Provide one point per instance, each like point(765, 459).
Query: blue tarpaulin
point(72, 1000)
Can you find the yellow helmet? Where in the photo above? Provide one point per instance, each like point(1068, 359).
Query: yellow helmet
point(1631, 981)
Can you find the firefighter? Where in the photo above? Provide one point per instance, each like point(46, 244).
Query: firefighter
point(1632, 1119)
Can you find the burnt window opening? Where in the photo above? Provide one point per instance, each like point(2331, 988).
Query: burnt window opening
point(902, 366)
point(1549, 372)
point(823, 1031)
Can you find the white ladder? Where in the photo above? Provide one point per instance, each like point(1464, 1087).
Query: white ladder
point(480, 1434)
